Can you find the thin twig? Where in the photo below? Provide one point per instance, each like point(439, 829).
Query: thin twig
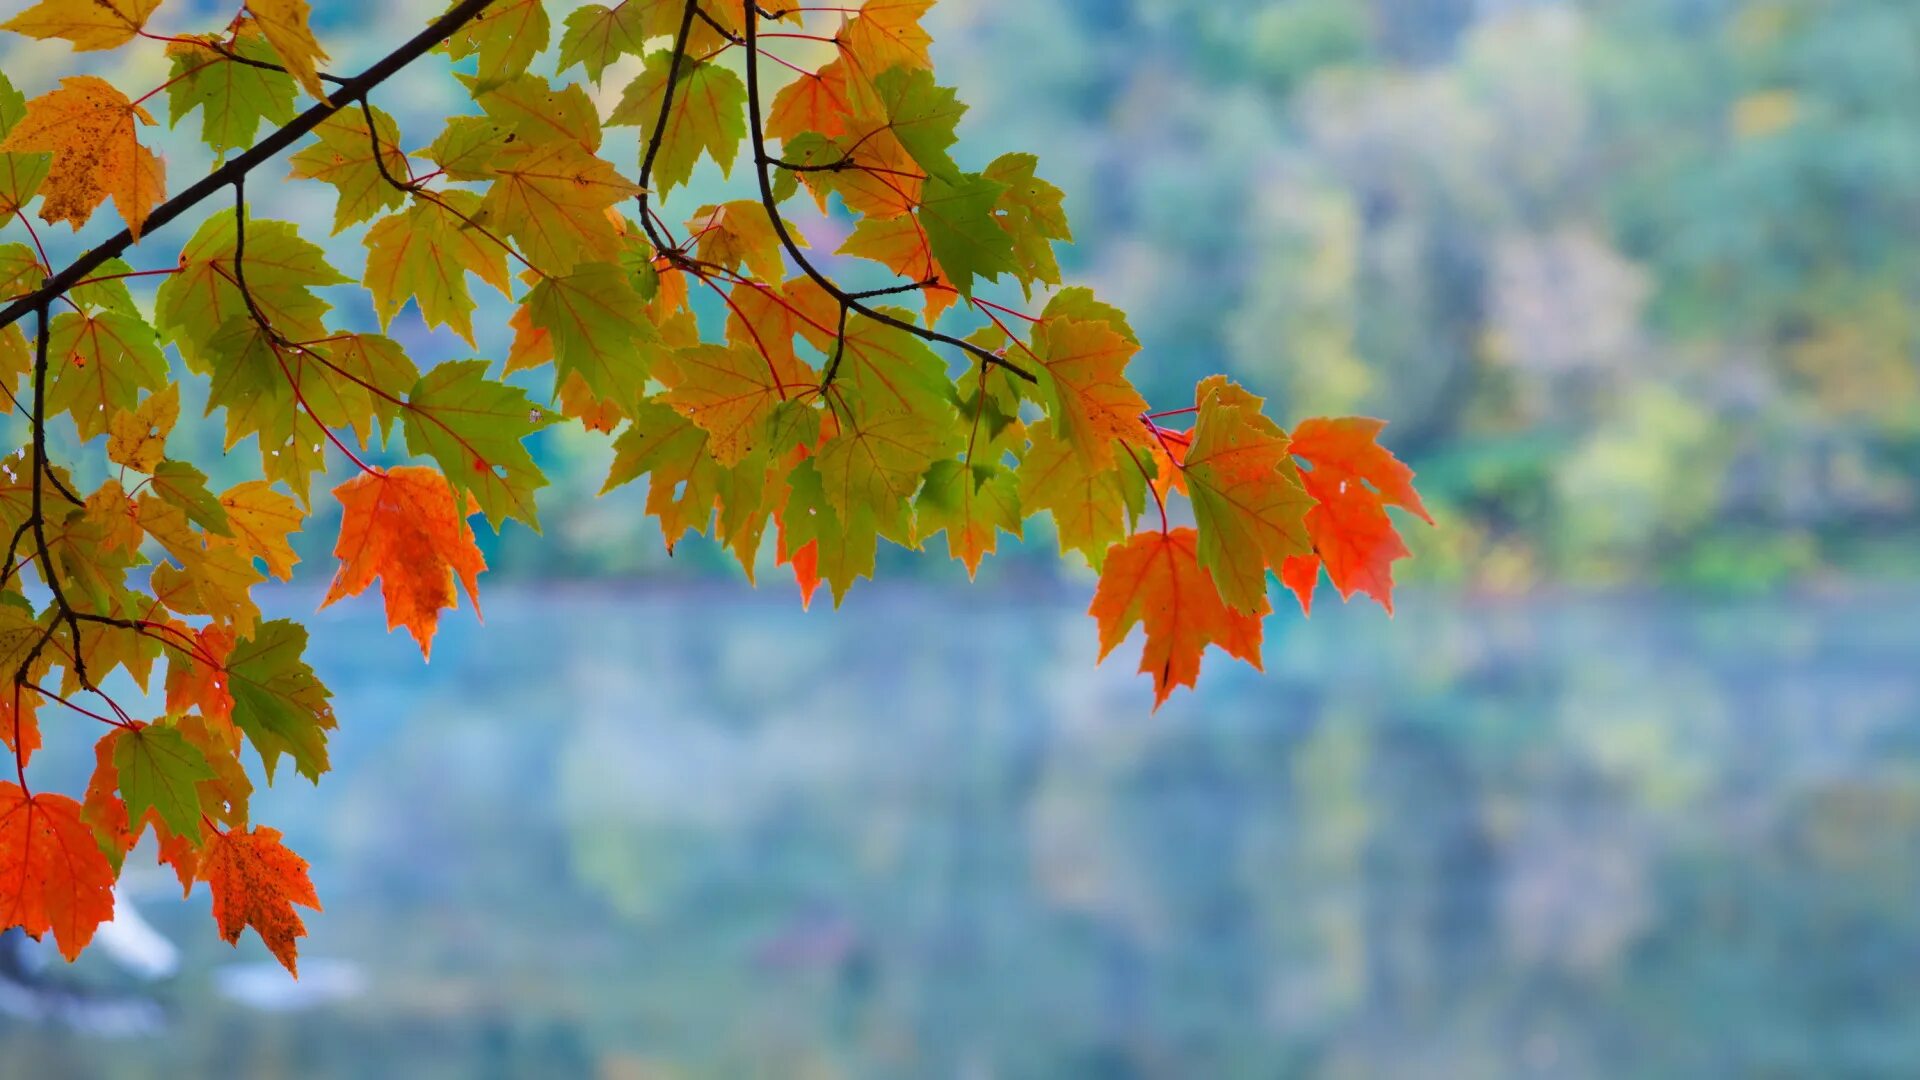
point(760, 161)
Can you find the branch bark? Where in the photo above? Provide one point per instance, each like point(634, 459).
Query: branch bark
point(351, 90)
point(761, 161)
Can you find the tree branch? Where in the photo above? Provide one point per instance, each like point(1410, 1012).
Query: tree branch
point(350, 91)
point(760, 162)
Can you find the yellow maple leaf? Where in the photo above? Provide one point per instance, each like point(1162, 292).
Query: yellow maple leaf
point(285, 24)
point(88, 125)
point(88, 24)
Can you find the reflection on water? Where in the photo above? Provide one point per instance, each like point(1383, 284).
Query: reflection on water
point(704, 834)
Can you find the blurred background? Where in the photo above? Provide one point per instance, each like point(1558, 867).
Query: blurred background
point(1629, 787)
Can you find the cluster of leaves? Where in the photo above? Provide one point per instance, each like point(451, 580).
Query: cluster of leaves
point(825, 414)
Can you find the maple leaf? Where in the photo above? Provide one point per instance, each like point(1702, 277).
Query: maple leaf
point(255, 881)
point(887, 33)
point(506, 36)
point(159, 770)
point(343, 155)
point(738, 234)
point(1347, 450)
point(957, 212)
point(1083, 373)
point(876, 463)
point(887, 368)
point(473, 427)
point(103, 362)
point(972, 504)
point(731, 391)
point(1155, 580)
point(708, 115)
point(88, 126)
point(598, 327)
point(673, 451)
point(1247, 500)
point(815, 102)
point(405, 527)
point(284, 22)
point(20, 178)
point(1352, 480)
point(424, 254)
point(598, 35)
point(1031, 212)
point(53, 876)
point(197, 676)
point(820, 543)
point(277, 701)
point(138, 438)
point(261, 519)
point(233, 97)
point(552, 198)
point(20, 632)
point(355, 381)
point(1091, 507)
point(195, 304)
point(526, 107)
point(88, 24)
point(901, 245)
point(922, 115)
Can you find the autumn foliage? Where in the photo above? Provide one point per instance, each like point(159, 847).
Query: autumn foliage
point(827, 417)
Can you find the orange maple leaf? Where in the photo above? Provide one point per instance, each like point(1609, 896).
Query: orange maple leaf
point(88, 126)
point(197, 676)
point(1155, 579)
point(53, 876)
point(404, 526)
point(1353, 479)
point(255, 882)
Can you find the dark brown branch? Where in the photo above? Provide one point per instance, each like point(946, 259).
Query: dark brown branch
point(380, 152)
point(760, 162)
point(38, 518)
point(350, 91)
point(660, 124)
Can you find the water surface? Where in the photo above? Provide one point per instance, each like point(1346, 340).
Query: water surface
point(701, 833)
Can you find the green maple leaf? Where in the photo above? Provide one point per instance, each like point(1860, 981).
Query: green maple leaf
point(344, 156)
point(708, 116)
point(1091, 507)
point(598, 35)
point(161, 771)
point(600, 329)
point(194, 304)
point(20, 174)
point(277, 702)
point(922, 115)
point(472, 426)
point(186, 487)
point(958, 213)
point(233, 98)
point(1248, 503)
point(1032, 213)
point(100, 364)
point(365, 385)
point(847, 547)
point(662, 444)
point(424, 253)
point(465, 149)
point(971, 504)
point(876, 462)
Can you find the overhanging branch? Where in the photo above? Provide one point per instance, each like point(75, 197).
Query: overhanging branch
point(350, 91)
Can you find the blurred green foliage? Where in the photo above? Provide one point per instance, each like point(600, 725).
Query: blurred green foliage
point(1632, 279)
